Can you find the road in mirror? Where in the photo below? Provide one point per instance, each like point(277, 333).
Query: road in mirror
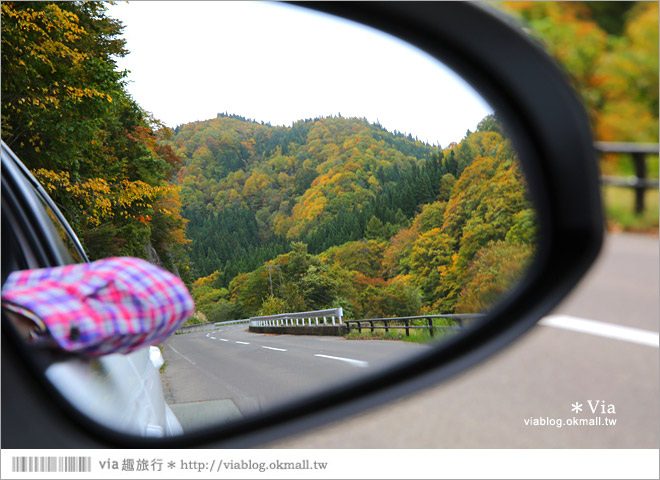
point(332, 177)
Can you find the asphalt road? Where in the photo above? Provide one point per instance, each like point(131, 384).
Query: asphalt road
point(543, 376)
point(241, 373)
point(513, 400)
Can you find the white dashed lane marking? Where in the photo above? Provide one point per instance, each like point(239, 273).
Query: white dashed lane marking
point(276, 349)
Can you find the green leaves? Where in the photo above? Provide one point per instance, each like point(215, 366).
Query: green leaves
point(319, 182)
point(424, 240)
point(66, 114)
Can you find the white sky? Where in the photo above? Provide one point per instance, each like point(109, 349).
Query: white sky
point(278, 63)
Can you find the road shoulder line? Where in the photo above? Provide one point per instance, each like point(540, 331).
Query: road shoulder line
point(357, 363)
point(602, 329)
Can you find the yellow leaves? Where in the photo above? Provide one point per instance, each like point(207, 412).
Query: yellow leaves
point(627, 76)
point(46, 37)
point(101, 200)
point(282, 224)
point(234, 196)
point(206, 281)
point(79, 94)
point(315, 207)
point(616, 75)
point(351, 167)
point(49, 27)
point(626, 121)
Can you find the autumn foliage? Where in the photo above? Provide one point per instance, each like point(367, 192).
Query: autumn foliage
point(68, 117)
point(462, 245)
point(609, 50)
point(261, 219)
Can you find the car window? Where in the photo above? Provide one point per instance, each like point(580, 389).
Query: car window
point(13, 257)
point(71, 250)
point(117, 390)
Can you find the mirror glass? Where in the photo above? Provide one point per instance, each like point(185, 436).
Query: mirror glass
point(351, 202)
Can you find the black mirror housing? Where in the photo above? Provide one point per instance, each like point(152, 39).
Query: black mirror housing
point(550, 131)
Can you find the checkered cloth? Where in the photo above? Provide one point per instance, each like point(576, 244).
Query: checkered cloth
point(113, 305)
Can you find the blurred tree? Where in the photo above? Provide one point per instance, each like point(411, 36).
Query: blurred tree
point(494, 271)
point(610, 16)
point(273, 306)
point(610, 52)
point(359, 256)
point(628, 79)
point(398, 299)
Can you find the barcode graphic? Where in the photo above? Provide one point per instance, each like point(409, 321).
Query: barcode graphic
point(51, 464)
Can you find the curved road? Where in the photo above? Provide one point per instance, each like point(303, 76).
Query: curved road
point(541, 376)
point(236, 372)
point(595, 359)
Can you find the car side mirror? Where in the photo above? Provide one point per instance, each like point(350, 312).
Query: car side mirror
point(548, 129)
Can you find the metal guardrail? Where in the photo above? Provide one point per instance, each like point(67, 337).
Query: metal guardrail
point(331, 316)
point(640, 183)
point(408, 323)
point(198, 327)
point(232, 322)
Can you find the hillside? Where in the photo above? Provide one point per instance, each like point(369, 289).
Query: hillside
point(339, 212)
point(251, 189)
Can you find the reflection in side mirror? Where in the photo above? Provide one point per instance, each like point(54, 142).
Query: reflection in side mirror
point(343, 253)
point(400, 245)
point(327, 247)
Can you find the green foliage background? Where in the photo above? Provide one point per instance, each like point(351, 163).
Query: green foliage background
point(68, 117)
point(344, 212)
point(384, 226)
point(609, 52)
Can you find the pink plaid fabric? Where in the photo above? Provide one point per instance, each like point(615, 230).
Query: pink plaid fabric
point(113, 305)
